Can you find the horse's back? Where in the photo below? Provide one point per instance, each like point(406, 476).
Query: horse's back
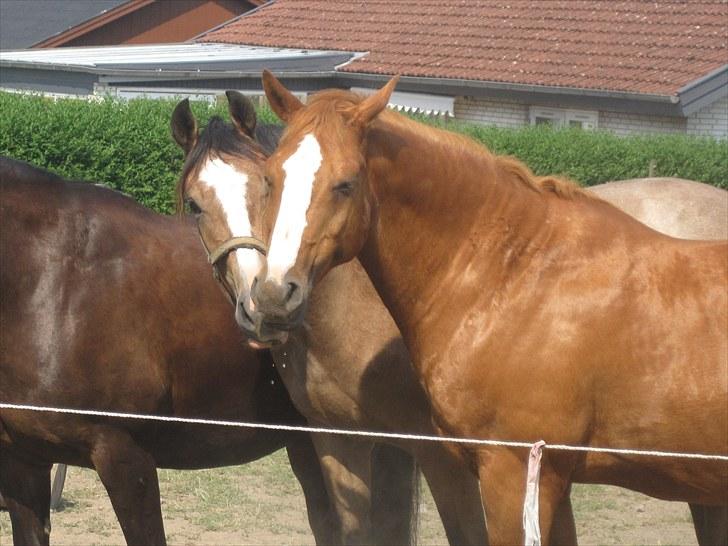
point(107, 304)
point(680, 208)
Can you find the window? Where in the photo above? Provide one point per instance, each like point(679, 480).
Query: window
point(559, 117)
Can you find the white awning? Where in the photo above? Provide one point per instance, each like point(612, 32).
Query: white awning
point(421, 103)
point(152, 55)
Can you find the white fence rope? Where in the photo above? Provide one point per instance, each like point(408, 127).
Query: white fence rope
point(370, 434)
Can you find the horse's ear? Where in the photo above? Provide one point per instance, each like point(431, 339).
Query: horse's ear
point(281, 100)
point(369, 108)
point(242, 112)
point(184, 126)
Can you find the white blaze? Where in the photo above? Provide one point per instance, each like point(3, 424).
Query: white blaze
point(300, 171)
point(230, 186)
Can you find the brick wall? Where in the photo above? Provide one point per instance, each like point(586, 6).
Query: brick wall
point(711, 120)
point(629, 124)
point(491, 112)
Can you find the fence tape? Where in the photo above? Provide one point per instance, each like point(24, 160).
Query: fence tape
point(370, 434)
point(531, 528)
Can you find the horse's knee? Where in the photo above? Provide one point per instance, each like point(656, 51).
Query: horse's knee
point(711, 524)
point(394, 496)
point(305, 465)
point(26, 491)
point(456, 493)
point(129, 475)
point(502, 481)
point(347, 472)
point(563, 530)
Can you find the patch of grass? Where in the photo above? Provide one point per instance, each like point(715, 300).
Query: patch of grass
point(232, 497)
point(261, 503)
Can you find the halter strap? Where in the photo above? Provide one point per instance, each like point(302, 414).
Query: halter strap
point(235, 243)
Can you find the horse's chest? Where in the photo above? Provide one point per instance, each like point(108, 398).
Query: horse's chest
point(313, 387)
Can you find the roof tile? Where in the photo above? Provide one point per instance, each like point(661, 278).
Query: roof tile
point(654, 47)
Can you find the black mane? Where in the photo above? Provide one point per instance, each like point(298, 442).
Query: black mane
point(268, 137)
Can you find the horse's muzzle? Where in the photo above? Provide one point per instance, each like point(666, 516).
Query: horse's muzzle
point(281, 305)
point(259, 335)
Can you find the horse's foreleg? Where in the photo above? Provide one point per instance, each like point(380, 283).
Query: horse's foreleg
point(394, 496)
point(711, 524)
point(305, 465)
point(27, 491)
point(563, 531)
point(455, 491)
point(346, 465)
point(502, 474)
point(130, 477)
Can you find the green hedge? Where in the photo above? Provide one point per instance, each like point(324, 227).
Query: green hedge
point(594, 157)
point(127, 145)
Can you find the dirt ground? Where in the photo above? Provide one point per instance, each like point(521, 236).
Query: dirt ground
point(262, 504)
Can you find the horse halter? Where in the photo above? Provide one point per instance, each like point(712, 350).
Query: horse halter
point(234, 243)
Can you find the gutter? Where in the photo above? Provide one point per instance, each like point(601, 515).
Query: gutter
point(703, 91)
point(479, 85)
point(687, 100)
point(152, 75)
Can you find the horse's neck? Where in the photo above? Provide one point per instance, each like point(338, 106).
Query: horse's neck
point(447, 214)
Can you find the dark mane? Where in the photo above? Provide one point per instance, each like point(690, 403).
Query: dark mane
point(268, 136)
point(219, 139)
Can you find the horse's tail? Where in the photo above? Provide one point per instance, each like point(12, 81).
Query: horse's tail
point(395, 496)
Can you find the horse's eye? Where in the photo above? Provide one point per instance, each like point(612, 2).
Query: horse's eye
point(344, 188)
point(194, 209)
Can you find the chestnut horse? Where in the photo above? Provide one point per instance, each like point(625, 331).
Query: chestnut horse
point(93, 317)
point(531, 309)
point(347, 367)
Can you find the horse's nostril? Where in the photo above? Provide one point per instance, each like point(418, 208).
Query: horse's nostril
point(294, 296)
point(292, 287)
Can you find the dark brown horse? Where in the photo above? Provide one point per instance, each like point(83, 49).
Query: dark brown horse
point(531, 309)
point(92, 316)
point(347, 367)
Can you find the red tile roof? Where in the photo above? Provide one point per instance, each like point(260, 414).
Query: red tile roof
point(653, 47)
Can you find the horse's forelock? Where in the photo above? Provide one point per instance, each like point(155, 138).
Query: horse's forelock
point(218, 139)
point(323, 111)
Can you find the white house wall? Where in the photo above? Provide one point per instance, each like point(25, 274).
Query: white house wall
point(711, 120)
point(491, 112)
point(623, 124)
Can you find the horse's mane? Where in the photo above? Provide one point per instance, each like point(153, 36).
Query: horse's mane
point(219, 139)
point(562, 187)
point(325, 107)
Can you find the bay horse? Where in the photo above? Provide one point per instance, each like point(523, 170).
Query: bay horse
point(93, 317)
point(531, 309)
point(347, 367)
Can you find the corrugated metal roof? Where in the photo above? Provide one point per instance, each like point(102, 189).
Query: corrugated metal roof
point(192, 56)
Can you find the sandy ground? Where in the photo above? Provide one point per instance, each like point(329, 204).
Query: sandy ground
point(262, 504)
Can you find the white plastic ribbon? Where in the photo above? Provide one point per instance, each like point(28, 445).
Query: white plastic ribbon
point(531, 528)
